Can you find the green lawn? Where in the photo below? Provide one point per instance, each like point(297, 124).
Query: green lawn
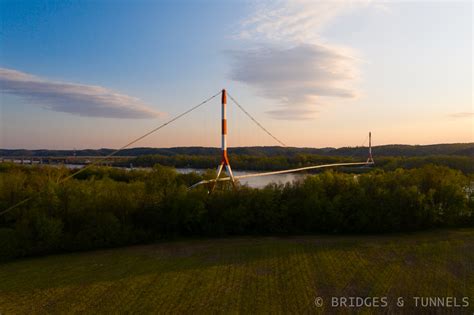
point(245, 275)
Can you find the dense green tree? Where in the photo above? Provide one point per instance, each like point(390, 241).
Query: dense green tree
point(109, 207)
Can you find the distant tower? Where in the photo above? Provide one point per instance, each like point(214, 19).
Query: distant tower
point(225, 158)
point(370, 159)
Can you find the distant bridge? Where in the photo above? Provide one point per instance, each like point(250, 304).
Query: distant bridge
point(80, 160)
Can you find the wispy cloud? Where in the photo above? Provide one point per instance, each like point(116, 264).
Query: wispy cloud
point(293, 20)
point(462, 115)
point(77, 99)
point(289, 62)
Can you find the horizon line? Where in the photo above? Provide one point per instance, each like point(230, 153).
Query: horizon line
point(263, 146)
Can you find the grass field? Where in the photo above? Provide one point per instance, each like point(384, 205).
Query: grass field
point(246, 275)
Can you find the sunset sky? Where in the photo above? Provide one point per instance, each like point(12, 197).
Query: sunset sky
point(94, 74)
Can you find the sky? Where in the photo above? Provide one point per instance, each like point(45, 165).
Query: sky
point(97, 74)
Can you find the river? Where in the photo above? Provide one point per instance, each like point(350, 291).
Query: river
point(255, 182)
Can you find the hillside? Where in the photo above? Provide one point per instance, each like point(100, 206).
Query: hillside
point(460, 149)
point(247, 275)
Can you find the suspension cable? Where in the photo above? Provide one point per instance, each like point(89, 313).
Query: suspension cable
point(114, 152)
point(255, 121)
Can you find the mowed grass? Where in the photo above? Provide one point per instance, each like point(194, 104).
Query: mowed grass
point(245, 275)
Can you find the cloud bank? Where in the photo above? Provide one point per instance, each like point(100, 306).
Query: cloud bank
point(287, 60)
point(77, 99)
point(295, 77)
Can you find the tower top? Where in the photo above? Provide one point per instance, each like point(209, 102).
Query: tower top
point(224, 97)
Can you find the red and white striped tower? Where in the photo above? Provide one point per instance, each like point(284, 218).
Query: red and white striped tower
point(370, 159)
point(225, 158)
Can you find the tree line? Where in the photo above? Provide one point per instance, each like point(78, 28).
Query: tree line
point(399, 150)
point(272, 163)
point(106, 207)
